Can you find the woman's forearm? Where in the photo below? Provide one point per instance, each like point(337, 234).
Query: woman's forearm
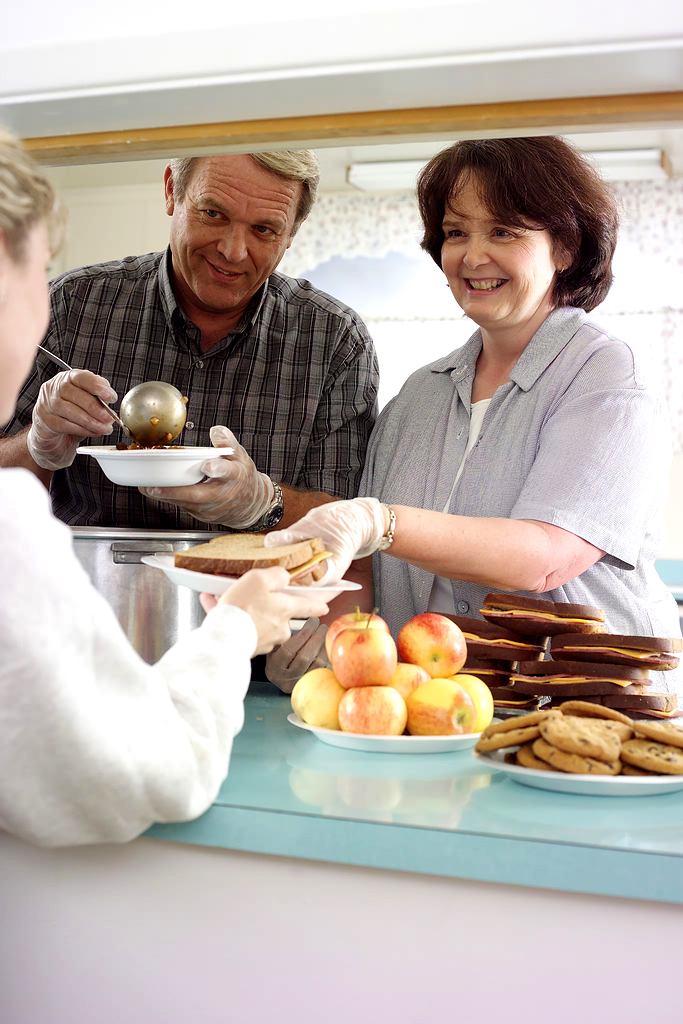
point(505, 554)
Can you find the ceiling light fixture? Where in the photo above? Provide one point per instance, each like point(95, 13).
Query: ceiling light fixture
point(614, 165)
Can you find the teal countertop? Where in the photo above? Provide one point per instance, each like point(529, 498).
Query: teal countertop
point(288, 794)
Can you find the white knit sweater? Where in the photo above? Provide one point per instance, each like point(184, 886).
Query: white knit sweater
point(96, 745)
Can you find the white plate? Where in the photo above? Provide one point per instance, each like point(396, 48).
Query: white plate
point(208, 584)
point(583, 785)
point(389, 744)
point(152, 467)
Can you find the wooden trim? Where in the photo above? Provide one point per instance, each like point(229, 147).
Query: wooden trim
point(560, 115)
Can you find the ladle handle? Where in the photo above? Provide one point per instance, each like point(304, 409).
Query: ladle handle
point(65, 366)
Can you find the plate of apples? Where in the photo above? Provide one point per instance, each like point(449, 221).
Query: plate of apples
point(393, 697)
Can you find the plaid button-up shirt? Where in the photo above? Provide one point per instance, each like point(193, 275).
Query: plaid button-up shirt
point(296, 381)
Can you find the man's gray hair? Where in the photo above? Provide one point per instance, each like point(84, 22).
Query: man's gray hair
point(293, 164)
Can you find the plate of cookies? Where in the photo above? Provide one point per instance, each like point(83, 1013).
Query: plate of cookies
point(586, 749)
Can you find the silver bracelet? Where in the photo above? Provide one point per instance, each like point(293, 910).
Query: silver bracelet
point(388, 538)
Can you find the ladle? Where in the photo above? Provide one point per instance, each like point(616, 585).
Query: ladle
point(152, 413)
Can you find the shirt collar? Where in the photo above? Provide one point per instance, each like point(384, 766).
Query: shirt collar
point(171, 307)
point(554, 333)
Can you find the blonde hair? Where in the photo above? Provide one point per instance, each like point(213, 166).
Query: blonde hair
point(26, 198)
point(293, 164)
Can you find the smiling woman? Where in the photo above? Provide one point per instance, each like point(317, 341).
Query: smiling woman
point(529, 460)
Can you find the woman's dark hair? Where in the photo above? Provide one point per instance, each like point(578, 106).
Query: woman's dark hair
point(534, 183)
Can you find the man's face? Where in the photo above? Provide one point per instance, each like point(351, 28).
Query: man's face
point(229, 232)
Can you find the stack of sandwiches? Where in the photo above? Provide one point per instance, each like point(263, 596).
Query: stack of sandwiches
point(585, 660)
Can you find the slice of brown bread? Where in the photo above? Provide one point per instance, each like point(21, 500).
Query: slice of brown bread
point(237, 553)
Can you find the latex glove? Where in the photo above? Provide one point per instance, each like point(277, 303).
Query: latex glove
point(305, 650)
point(235, 494)
point(262, 594)
point(349, 529)
point(67, 411)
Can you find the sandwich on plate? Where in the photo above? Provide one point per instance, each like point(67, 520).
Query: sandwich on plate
point(236, 553)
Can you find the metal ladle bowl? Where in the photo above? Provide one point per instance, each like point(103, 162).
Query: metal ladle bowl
point(154, 413)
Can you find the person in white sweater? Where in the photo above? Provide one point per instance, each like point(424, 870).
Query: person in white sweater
point(95, 744)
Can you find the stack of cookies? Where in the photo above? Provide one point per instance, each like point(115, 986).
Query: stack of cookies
point(587, 739)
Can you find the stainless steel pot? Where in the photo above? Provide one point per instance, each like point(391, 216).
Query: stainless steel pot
point(153, 611)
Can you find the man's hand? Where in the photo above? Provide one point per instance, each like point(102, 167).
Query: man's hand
point(66, 412)
point(303, 651)
point(235, 495)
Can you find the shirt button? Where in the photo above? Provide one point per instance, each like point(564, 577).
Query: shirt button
point(462, 607)
point(199, 364)
point(189, 426)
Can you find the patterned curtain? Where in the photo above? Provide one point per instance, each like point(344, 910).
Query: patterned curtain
point(645, 305)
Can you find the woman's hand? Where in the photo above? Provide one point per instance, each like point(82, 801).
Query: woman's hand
point(349, 529)
point(261, 594)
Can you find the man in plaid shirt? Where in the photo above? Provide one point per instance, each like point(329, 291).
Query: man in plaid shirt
point(282, 373)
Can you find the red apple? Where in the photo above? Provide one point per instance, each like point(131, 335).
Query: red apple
point(353, 620)
point(363, 657)
point(440, 707)
point(373, 710)
point(433, 642)
point(407, 677)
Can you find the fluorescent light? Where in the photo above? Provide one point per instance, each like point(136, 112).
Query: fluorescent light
point(614, 164)
point(630, 164)
point(392, 175)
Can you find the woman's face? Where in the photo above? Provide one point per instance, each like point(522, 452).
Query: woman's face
point(501, 276)
point(24, 314)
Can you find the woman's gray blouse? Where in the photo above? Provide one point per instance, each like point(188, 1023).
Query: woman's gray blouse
point(575, 438)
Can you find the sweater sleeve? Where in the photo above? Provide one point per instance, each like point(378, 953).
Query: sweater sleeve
point(96, 745)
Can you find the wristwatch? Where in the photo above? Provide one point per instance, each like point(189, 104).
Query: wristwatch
point(273, 514)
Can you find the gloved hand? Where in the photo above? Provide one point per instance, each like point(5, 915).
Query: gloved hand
point(265, 595)
point(235, 495)
point(67, 411)
point(305, 650)
point(349, 529)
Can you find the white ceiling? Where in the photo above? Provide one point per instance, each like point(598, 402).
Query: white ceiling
point(80, 67)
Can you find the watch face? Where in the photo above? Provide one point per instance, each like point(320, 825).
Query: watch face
point(274, 517)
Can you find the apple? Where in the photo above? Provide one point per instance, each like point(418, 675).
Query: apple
point(315, 698)
point(407, 677)
point(433, 642)
point(440, 707)
point(481, 695)
point(353, 620)
point(373, 710)
point(363, 657)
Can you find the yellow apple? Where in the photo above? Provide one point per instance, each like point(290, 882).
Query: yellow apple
point(373, 710)
point(482, 697)
point(407, 677)
point(440, 707)
point(316, 697)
